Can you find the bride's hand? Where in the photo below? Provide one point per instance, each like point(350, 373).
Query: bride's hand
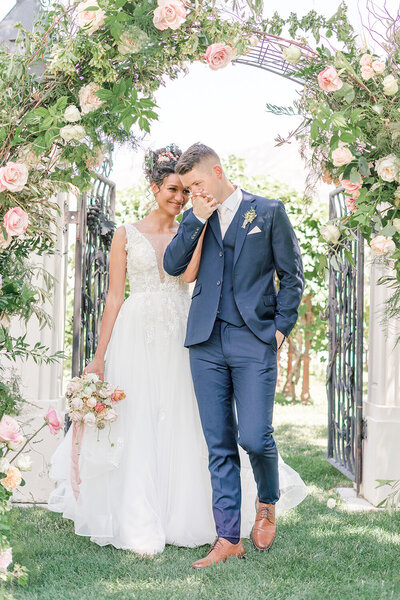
point(96, 366)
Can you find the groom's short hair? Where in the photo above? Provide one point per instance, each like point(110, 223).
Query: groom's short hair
point(193, 156)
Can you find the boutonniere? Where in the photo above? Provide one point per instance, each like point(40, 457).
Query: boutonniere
point(249, 217)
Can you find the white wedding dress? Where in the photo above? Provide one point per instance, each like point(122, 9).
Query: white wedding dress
point(145, 480)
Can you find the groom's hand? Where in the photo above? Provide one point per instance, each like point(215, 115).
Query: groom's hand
point(203, 205)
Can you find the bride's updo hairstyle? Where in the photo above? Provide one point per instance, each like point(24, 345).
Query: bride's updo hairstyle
point(158, 164)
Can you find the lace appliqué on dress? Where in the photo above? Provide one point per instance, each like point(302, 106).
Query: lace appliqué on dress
point(162, 299)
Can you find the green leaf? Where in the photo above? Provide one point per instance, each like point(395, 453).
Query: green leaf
point(363, 166)
point(314, 131)
point(355, 176)
point(347, 137)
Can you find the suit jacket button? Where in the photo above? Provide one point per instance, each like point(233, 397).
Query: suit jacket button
point(221, 253)
point(218, 283)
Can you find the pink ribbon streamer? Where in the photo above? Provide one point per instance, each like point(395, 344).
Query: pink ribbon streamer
point(77, 434)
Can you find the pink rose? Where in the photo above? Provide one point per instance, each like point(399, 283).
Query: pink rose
point(367, 72)
point(99, 407)
point(351, 204)
point(55, 420)
point(169, 14)
point(351, 187)
point(218, 56)
point(365, 60)
point(381, 245)
point(9, 430)
point(13, 176)
point(5, 559)
point(16, 221)
point(329, 80)
point(378, 66)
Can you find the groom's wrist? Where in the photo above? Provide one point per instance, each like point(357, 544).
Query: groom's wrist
point(201, 219)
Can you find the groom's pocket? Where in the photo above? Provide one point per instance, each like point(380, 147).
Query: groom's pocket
point(197, 290)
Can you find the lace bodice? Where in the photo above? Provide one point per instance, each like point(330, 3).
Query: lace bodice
point(145, 252)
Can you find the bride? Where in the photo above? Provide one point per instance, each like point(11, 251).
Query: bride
point(145, 482)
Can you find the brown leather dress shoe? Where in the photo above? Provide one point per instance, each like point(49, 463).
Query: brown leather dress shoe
point(264, 530)
point(219, 552)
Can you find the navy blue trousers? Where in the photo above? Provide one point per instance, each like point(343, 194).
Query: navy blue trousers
point(235, 368)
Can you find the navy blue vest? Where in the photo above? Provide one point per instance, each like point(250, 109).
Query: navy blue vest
point(227, 309)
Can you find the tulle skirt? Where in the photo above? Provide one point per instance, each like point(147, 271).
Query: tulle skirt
point(144, 479)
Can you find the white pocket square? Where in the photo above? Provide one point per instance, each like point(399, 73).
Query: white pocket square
point(254, 230)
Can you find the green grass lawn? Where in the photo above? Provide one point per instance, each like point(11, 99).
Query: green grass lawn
point(318, 554)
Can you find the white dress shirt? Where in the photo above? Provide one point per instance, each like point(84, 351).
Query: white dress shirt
point(231, 204)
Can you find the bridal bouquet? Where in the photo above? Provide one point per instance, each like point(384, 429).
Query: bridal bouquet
point(91, 401)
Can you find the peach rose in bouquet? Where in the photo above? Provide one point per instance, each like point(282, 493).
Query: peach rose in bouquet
point(12, 479)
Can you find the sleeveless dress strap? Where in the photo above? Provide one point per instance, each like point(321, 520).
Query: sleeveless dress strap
point(131, 233)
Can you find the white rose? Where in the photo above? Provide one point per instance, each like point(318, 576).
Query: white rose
point(91, 402)
point(388, 167)
point(72, 387)
point(111, 415)
point(24, 462)
point(330, 233)
point(396, 223)
point(87, 98)
point(72, 114)
point(75, 416)
point(91, 20)
point(367, 72)
point(292, 54)
point(378, 66)
point(381, 245)
point(89, 419)
point(366, 59)
point(390, 85)
point(4, 465)
point(68, 132)
point(76, 403)
point(342, 156)
point(331, 503)
point(253, 41)
point(79, 132)
point(16, 445)
point(92, 377)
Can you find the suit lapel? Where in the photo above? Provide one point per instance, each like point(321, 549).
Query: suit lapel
point(216, 229)
point(246, 204)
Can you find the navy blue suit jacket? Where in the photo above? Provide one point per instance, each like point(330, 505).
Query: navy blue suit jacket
point(256, 258)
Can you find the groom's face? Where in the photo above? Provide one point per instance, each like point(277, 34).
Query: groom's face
point(204, 177)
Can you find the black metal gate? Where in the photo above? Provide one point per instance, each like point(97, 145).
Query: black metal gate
point(345, 369)
point(95, 229)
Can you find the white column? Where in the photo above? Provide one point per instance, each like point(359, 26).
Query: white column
point(41, 384)
point(381, 448)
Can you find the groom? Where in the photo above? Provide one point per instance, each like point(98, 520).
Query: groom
point(237, 322)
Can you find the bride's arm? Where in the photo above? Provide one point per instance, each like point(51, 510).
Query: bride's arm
point(190, 274)
point(114, 300)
